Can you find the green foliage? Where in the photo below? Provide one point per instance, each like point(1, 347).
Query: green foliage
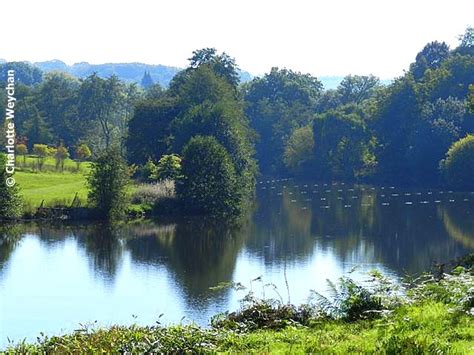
point(263, 314)
point(466, 45)
point(149, 129)
point(61, 154)
point(57, 100)
point(395, 114)
point(107, 184)
point(100, 100)
point(25, 73)
point(35, 126)
point(440, 124)
point(82, 153)
point(168, 167)
point(401, 133)
point(41, 151)
point(209, 184)
point(458, 167)
point(352, 301)
point(343, 145)
point(431, 57)
point(277, 104)
point(22, 150)
point(10, 200)
point(149, 171)
point(471, 98)
point(221, 64)
point(208, 105)
point(356, 89)
point(299, 150)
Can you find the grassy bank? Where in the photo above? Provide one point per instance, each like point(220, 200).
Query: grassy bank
point(58, 188)
point(433, 316)
point(427, 327)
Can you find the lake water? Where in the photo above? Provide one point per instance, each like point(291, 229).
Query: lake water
point(55, 277)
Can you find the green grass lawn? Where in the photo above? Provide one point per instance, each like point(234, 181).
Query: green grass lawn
point(52, 187)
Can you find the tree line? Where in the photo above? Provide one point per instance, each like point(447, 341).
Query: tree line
point(416, 130)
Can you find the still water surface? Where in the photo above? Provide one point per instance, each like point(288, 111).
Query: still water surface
point(54, 277)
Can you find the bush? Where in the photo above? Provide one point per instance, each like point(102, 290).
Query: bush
point(352, 301)
point(458, 167)
point(168, 167)
point(209, 185)
point(148, 172)
point(107, 181)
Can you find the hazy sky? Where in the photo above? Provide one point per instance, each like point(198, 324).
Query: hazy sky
point(332, 37)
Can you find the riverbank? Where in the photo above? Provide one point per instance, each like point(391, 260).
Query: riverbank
point(434, 315)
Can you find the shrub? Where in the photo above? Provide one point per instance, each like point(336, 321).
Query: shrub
point(149, 171)
point(458, 166)
point(455, 289)
point(168, 167)
point(352, 301)
point(107, 181)
point(209, 185)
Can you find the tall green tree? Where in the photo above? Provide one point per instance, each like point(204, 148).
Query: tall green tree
point(222, 64)
point(149, 129)
point(355, 88)
point(431, 57)
point(107, 184)
point(208, 105)
point(35, 127)
point(100, 101)
point(57, 99)
point(396, 112)
point(277, 104)
point(344, 147)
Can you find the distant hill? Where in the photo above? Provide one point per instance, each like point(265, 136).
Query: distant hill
point(133, 72)
point(128, 72)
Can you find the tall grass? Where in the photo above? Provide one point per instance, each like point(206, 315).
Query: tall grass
point(152, 194)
